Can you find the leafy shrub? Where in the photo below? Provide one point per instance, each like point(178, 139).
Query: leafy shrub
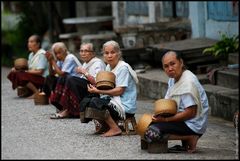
point(223, 47)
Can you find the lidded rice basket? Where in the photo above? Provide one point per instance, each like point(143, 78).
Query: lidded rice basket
point(143, 124)
point(21, 64)
point(41, 99)
point(105, 80)
point(165, 107)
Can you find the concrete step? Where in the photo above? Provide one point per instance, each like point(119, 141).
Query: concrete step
point(223, 102)
point(228, 78)
point(191, 50)
point(153, 83)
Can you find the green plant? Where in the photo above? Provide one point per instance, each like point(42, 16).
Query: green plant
point(16, 28)
point(223, 47)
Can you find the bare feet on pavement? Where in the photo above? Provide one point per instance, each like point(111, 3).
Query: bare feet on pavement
point(192, 143)
point(112, 132)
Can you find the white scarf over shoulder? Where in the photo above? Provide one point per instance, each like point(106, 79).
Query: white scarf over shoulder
point(186, 85)
point(33, 63)
point(90, 63)
point(116, 99)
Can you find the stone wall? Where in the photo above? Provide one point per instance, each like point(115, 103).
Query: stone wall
point(139, 36)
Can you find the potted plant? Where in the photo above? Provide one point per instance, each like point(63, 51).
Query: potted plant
point(223, 47)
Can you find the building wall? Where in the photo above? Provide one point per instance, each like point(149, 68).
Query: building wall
point(93, 8)
point(143, 12)
point(203, 26)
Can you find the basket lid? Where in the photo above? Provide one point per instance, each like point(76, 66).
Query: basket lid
point(105, 76)
point(165, 107)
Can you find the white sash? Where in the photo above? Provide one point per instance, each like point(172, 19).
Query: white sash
point(35, 59)
point(132, 72)
point(185, 85)
point(90, 63)
point(116, 100)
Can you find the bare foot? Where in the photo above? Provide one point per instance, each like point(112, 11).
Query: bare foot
point(112, 132)
point(64, 113)
point(192, 143)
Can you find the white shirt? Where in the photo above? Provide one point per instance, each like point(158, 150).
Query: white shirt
point(197, 124)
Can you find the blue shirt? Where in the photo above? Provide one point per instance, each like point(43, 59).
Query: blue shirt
point(129, 97)
point(69, 65)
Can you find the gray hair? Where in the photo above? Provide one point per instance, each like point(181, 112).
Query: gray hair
point(89, 44)
point(60, 45)
point(115, 46)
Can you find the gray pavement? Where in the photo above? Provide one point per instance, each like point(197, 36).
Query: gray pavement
point(28, 133)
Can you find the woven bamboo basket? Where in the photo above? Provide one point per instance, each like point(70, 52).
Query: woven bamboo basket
point(105, 80)
point(165, 107)
point(21, 64)
point(41, 99)
point(143, 124)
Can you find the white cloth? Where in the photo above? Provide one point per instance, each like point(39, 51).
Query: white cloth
point(116, 100)
point(94, 66)
point(195, 96)
point(185, 85)
point(132, 72)
point(34, 61)
point(38, 61)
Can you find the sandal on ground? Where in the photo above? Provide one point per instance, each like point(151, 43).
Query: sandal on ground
point(57, 116)
point(177, 149)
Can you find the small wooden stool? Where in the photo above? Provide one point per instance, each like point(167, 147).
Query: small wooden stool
point(128, 126)
point(155, 147)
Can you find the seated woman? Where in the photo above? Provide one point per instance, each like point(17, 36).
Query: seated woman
point(59, 69)
point(75, 88)
point(190, 122)
point(34, 77)
point(120, 101)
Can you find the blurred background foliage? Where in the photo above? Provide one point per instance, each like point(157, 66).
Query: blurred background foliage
point(28, 18)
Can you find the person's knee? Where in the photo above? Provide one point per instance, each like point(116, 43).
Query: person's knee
point(153, 133)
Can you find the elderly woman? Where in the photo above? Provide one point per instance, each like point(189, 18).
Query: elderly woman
point(120, 101)
point(34, 77)
point(76, 87)
point(61, 63)
point(190, 122)
point(59, 69)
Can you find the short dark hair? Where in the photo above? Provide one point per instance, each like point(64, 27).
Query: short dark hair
point(38, 39)
point(178, 56)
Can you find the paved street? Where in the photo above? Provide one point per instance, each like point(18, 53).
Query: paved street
point(28, 133)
